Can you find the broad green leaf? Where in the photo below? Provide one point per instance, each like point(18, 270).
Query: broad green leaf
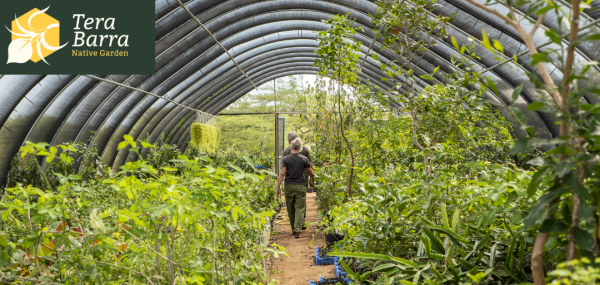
point(435, 243)
point(426, 244)
point(235, 167)
point(483, 243)
point(437, 274)
point(498, 46)
point(444, 215)
point(516, 92)
point(385, 267)
point(455, 218)
point(485, 41)
point(583, 239)
point(465, 264)
point(250, 162)
point(238, 175)
point(361, 255)
point(425, 220)
point(454, 42)
point(416, 277)
point(539, 207)
point(450, 233)
point(535, 106)
point(405, 262)
point(534, 183)
point(122, 144)
point(492, 85)
point(544, 10)
point(489, 217)
point(209, 169)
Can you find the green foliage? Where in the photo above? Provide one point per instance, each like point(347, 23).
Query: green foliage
point(478, 207)
point(338, 52)
point(566, 181)
point(583, 272)
point(205, 137)
point(79, 159)
point(464, 224)
point(338, 59)
point(143, 228)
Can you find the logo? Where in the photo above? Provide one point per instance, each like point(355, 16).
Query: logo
point(92, 37)
point(35, 35)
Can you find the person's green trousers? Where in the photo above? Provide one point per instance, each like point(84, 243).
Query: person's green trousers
point(295, 200)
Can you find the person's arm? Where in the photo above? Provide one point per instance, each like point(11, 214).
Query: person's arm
point(279, 180)
point(312, 176)
point(309, 158)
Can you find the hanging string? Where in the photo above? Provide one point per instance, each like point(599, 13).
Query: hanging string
point(207, 119)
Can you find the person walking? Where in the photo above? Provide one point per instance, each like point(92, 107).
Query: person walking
point(292, 168)
point(306, 152)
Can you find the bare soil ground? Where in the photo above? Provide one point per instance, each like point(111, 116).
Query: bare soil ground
point(300, 266)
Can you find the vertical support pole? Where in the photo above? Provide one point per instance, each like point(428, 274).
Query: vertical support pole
point(279, 140)
point(277, 167)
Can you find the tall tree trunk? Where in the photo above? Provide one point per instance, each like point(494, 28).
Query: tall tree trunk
point(346, 140)
point(414, 132)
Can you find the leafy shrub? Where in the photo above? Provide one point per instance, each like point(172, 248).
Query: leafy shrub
point(194, 224)
point(583, 273)
point(465, 224)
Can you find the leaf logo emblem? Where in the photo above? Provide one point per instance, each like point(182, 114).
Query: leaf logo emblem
point(35, 35)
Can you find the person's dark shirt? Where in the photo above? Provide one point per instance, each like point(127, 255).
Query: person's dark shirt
point(295, 164)
point(304, 151)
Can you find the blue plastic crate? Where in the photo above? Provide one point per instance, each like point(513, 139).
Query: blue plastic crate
point(339, 271)
point(321, 279)
point(324, 260)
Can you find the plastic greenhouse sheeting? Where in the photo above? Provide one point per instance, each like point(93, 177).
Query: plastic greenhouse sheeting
point(268, 39)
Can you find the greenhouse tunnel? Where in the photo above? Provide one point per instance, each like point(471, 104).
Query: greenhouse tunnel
point(268, 39)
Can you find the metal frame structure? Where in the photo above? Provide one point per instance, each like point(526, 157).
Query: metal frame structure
point(209, 53)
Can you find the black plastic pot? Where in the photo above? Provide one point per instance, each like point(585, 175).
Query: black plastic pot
point(327, 216)
point(331, 238)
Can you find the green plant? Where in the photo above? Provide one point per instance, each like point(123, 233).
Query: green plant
point(409, 31)
point(464, 223)
point(145, 228)
point(338, 59)
point(205, 137)
point(583, 272)
point(567, 211)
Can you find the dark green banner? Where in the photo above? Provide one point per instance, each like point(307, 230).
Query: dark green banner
point(77, 37)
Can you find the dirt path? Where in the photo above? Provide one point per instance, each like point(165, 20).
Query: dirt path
point(300, 266)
